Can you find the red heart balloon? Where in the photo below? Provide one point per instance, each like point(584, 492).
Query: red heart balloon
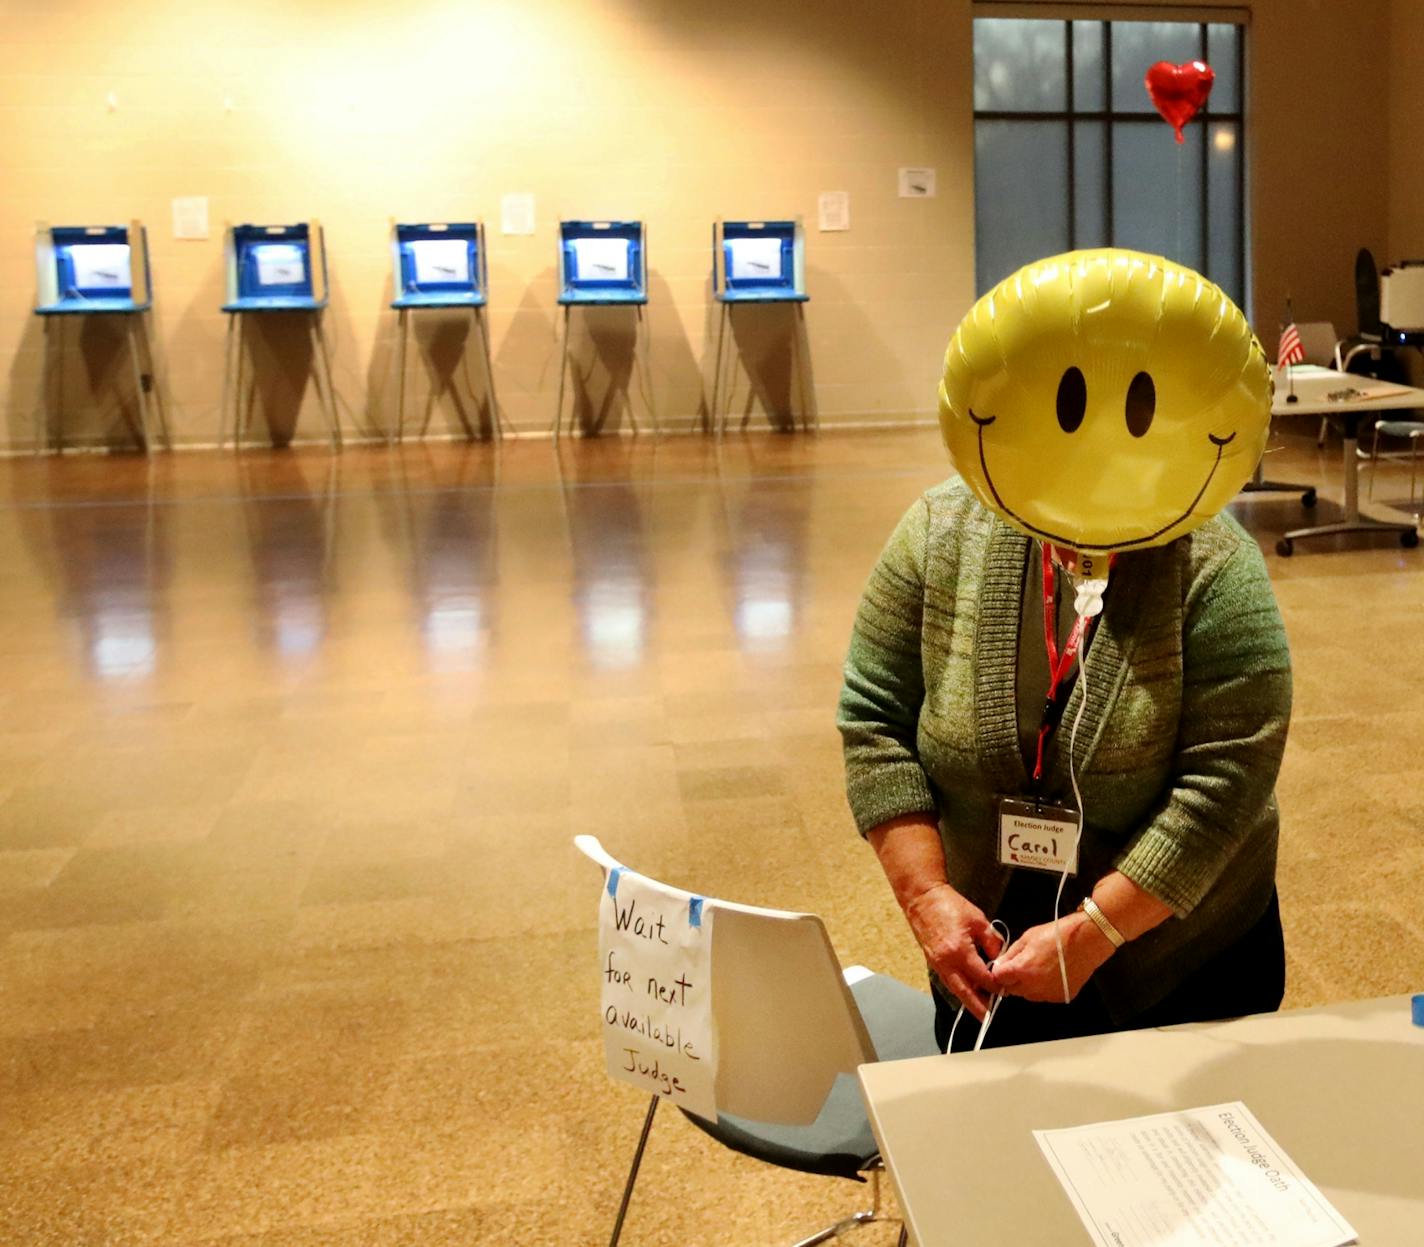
point(1179, 91)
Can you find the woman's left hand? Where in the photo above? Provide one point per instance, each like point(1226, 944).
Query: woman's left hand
point(1029, 966)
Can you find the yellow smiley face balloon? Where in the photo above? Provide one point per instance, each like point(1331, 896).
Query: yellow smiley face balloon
point(1105, 400)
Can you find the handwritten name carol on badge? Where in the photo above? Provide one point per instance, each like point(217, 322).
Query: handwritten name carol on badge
point(655, 972)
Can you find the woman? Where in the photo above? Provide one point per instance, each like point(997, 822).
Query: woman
point(1176, 724)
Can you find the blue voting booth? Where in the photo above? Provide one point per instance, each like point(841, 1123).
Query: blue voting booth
point(439, 265)
point(758, 262)
point(604, 263)
point(89, 270)
point(274, 269)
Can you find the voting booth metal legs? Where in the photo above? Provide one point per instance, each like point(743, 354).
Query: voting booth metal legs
point(403, 336)
point(724, 379)
point(856, 1219)
point(148, 393)
point(642, 349)
point(239, 390)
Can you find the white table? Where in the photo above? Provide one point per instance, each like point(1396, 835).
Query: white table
point(1312, 387)
point(1341, 1090)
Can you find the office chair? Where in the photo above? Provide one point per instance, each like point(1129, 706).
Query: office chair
point(1364, 351)
point(1413, 430)
point(791, 1029)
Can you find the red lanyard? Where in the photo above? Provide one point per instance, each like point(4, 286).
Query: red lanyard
point(1059, 665)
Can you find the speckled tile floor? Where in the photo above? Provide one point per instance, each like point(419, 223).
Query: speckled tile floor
point(294, 949)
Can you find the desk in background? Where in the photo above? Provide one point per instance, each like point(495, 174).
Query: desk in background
point(1312, 387)
point(1341, 1089)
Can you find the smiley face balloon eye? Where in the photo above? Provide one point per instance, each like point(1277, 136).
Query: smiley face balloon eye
point(1072, 400)
point(1141, 404)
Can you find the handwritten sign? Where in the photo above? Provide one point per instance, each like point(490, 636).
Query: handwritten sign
point(655, 962)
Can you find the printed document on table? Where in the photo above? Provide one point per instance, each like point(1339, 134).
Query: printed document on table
point(1202, 1177)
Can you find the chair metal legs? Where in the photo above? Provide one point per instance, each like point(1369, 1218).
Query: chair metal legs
point(633, 1171)
point(870, 1216)
point(867, 1217)
point(1415, 433)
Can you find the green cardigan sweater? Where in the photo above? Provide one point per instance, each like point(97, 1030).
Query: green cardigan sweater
point(1188, 699)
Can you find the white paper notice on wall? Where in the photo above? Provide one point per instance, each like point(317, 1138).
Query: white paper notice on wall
point(754, 259)
point(516, 213)
point(602, 259)
point(833, 211)
point(101, 266)
point(280, 264)
point(441, 261)
point(190, 217)
point(655, 961)
point(917, 183)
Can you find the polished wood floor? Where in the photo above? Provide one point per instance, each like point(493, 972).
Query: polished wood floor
point(294, 948)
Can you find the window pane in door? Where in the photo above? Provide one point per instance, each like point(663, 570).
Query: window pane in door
point(1089, 90)
point(1020, 195)
point(1157, 190)
point(1223, 54)
point(1090, 154)
point(1019, 66)
point(1136, 47)
point(1223, 263)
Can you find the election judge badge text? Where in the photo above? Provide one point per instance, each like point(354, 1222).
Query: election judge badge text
point(1038, 836)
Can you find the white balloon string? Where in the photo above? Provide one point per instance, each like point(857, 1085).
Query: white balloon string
point(1082, 817)
point(993, 1000)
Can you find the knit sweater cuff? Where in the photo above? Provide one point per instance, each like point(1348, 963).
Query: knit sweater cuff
point(886, 791)
point(1162, 864)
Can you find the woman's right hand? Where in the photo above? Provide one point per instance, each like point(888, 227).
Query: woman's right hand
point(956, 939)
point(951, 930)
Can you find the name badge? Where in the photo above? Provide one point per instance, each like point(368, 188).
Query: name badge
point(1038, 836)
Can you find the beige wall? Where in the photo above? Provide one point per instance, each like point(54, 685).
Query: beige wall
point(668, 110)
point(671, 111)
point(1406, 126)
point(1319, 154)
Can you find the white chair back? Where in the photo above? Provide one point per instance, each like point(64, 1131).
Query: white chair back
point(787, 1024)
point(1318, 340)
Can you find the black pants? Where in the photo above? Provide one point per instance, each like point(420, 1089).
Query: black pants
point(1249, 976)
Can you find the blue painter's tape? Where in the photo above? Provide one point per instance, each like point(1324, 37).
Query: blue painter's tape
point(1416, 1007)
point(613, 876)
point(694, 911)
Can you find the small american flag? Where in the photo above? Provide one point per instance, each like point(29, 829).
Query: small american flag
point(1291, 351)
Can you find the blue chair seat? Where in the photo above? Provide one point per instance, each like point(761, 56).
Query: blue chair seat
point(839, 1143)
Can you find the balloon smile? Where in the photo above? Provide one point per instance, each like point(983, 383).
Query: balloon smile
point(1077, 543)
